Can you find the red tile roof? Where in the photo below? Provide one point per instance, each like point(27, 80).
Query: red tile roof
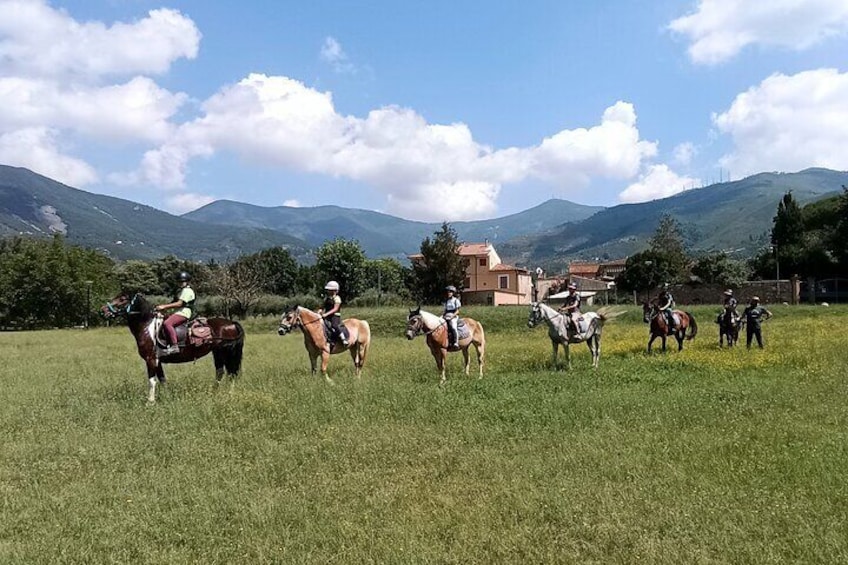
point(473, 249)
point(504, 267)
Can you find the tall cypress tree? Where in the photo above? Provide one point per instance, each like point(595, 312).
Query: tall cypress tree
point(440, 266)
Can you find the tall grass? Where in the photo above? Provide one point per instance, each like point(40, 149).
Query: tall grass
point(707, 455)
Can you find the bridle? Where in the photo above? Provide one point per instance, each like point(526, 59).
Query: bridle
point(125, 310)
point(419, 325)
point(297, 322)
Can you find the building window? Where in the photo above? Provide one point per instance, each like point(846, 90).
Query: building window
point(467, 283)
point(482, 262)
point(503, 281)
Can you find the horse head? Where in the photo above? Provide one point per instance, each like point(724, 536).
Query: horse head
point(649, 310)
point(289, 321)
point(125, 303)
point(536, 315)
point(414, 323)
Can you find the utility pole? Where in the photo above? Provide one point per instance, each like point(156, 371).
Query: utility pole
point(87, 301)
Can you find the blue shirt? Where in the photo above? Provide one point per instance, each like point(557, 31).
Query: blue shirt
point(452, 304)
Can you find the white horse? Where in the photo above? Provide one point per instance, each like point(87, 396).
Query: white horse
point(560, 332)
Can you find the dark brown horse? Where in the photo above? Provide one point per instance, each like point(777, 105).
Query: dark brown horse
point(728, 327)
point(226, 342)
point(659, 326)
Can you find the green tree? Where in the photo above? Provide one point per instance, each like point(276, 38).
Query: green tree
point(276, 268)
point(838, 240)
point(440, 265)
point(788, 229)
point(47, 283)
point(645, 271)
point(718, 268)
point(137, 276)
point(342, 260)
point(667, 241)
point(386, 275)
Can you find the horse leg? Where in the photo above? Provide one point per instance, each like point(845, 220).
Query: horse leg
point(439, 356)
point(595, 347)
point(664, 337)
point(567, 356)
point(313, 362)
point(554, 354)
point(325, 360)
point(651, 342)
point(354, 353)
point(680, 336)
point(466, 358)
point(218, 356)
point(481, 352)
point(155, 374)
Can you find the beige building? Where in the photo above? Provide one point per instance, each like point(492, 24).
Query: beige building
point(488, 280)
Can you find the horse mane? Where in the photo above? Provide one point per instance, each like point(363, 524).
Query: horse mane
point(142, 305)
point(430, 320)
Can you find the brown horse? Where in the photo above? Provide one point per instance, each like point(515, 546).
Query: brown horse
point(315, 338)
point(435, 328)
point(659, 326)
point(226, 343)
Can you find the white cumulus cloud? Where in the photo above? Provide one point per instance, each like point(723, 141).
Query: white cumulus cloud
point(37, 149)
point(426, 171)
point(60, 77)
point(788, 123)
point(659, 181)
point(719, 29)
point(38, 40)
point(187, 201)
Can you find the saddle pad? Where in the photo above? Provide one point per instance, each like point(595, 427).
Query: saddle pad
point(676, 319)
point(582, 325)
point(462, 329)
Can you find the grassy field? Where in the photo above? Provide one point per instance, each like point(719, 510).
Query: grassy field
point(704, 456)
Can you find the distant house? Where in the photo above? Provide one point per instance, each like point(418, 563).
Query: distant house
point(488, 280)
point(607, 270)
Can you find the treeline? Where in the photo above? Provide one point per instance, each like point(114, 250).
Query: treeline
point(49, 283)
point(808, 241)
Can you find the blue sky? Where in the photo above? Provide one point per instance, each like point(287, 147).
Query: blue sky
point(432, 111)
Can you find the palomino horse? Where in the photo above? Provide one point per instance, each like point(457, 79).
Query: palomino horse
point(435, 328)
point(315, 338)
point(560, 332)
point(226, 343)
point(728, 327)
point(659, 327)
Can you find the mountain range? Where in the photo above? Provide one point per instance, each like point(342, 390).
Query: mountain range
point(731, 216)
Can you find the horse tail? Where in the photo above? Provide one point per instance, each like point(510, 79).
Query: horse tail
point(235, 351)
point(606, 314)
point(693, 326)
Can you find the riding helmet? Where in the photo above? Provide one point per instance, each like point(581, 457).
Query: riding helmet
point(572, 286)
point(728, 292)
point(184, 277)
point(450, 288)
point(332, 285)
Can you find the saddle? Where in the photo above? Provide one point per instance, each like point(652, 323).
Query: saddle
point(461, 329)
point(582, 324)
point(328, 333)
point(194, 332)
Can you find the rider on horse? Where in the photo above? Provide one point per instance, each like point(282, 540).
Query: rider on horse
point(571, 307)
point(332, 312)
point(729, 305)
point(451, 316)
point(665, 302)
point(185, 302)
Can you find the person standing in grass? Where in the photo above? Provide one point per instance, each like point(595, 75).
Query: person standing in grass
point(754, 317)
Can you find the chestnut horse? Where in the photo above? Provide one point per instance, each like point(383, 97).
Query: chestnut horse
point(659, 327)
point(315, 338)
point(226, 343)
point(435, 328)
